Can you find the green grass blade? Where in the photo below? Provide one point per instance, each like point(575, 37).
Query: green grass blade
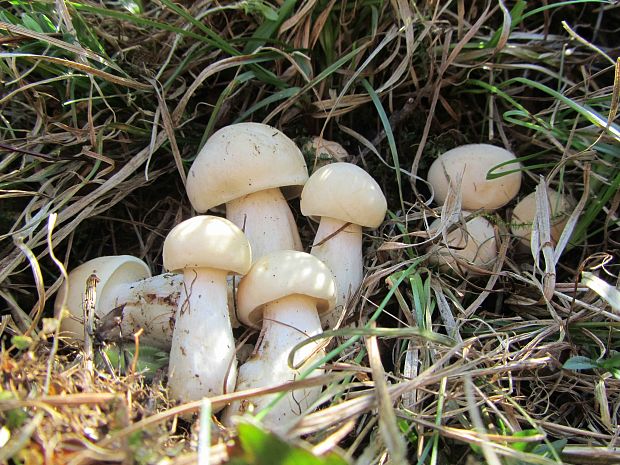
point(269, 28)
point(385, 121)
point(280, 95)
point(583, 110)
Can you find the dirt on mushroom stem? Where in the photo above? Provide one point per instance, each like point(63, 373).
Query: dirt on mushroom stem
point(286, 323)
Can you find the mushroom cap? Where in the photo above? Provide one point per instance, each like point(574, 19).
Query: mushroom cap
point(111, 271)
point(324, 151)
point(281, 274)
point(207, 242)
point(472, 163)
point(241, 159)
point(345, 192)
point(476, 245)
point(525, 211)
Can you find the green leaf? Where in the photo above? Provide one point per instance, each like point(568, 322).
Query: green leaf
point(259, 447)
point(275, 97)
point(268, 29)
point(46, 23)
point(150, 359)
point(15, 417)
point(407, 430)
point(611, 362)
point(133, 6)
point(268, 12)
point(30, 23)
point(579, 362)
point(136, 439)
point(551, 449)
point(21, 342)
point(7, 17)
point(524, 446)
point(516, 15)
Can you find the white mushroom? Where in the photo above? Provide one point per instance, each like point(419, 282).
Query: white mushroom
point(525, 211)
point(286, 290)
point(244, 166)
point(466, 168)
point(347, 199)
point(475, 246)
point(128, 299)
point(202, 358)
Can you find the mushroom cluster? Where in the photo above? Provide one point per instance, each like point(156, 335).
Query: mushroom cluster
point(288, 294)
point(466, 243)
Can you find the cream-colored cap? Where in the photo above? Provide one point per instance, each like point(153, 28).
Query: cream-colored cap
point(345, 192)
point(323, 151)
point(471, 163)
point(207, 242)
point(281, 274)
point(524, 212)
point(476, 245)
point(111, 272)
point(241, 159)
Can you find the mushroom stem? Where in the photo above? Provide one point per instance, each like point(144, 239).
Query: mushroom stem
point(149, 304)
point(286, 323)
point(339, 246)
point(202, 358)
point(267, 221)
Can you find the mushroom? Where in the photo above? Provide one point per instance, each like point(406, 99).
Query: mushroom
point(525, 211)
point(466, 167)
point(286, 290)
point(244, 165)
point(128, 299)
point(322, 151)
point(474, 247)
point(346, 198)
point(202, 358)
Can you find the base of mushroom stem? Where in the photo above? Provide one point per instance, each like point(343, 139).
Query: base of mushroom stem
point(286, 323)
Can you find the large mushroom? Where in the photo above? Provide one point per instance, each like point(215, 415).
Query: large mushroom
point(244, 166)
point(466, 168)
point(202, 358)
point(286, 291)
point(346, 198)
point(127, 299)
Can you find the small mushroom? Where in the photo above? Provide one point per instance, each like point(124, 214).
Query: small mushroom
point(286, 291)
point(472, 248)
point(525, 211)
point(127, 299)
point(202, 358)
point(244, 166)
point(466, 167)
point(322, 152)
point(346, 198)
